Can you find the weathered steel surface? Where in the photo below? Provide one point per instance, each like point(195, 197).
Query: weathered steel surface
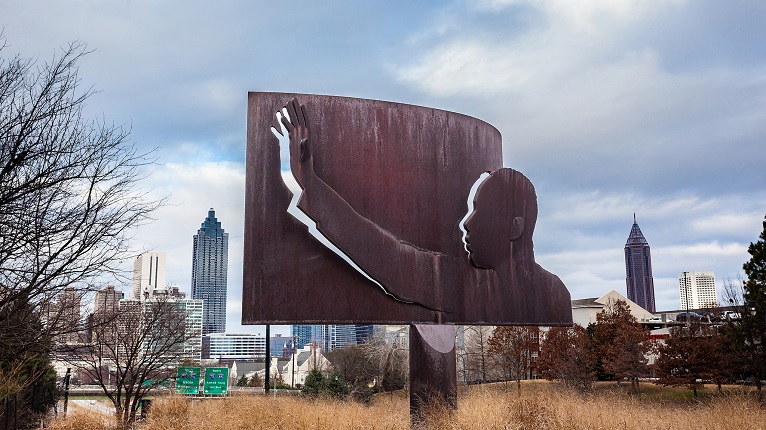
point(388, 184)
point(433, 369)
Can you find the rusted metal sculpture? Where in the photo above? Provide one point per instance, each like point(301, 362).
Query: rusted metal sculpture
point(433, 374)
point(383, 190)
point(388, 184)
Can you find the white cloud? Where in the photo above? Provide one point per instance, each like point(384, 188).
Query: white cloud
point(480, 67)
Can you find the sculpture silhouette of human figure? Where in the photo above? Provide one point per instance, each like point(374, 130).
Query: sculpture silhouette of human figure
point(498, 240)
point(499, 237)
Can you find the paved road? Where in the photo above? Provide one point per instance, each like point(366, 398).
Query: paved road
point(94, 405)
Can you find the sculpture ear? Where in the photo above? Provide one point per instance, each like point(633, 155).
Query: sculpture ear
point(517, 228)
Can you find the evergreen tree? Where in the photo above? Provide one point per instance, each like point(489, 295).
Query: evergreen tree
point(314, 384)
point(753, 324)
point(242, 381)
point(27, 379)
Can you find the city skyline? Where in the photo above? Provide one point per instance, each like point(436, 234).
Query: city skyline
point(609, 108)
point(330, 336)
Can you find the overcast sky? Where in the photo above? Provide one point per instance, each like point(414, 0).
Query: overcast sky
point(610, 107)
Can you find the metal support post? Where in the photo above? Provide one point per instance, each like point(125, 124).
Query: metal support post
point(433, 370)
point(267, 360)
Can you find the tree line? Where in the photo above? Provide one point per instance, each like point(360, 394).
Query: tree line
point(691, 355)
point(617, 347)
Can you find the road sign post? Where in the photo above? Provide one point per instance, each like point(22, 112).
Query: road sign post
point(187, 381)
point(216, 381)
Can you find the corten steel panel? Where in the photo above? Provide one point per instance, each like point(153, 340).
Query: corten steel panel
point(388, 176)
point(433, 368)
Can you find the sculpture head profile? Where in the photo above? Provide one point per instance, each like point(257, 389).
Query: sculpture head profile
point(503, 219)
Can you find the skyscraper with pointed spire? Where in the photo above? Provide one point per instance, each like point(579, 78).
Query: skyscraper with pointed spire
point(638, 269)
point(210, 265)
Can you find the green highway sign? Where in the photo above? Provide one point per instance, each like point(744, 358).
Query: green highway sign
point(216, 380)
point(187, 380)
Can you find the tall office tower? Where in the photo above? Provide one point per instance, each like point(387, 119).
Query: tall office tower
point(210, 265)
point(192, 310)
point(106, 304)
point(281, 346)
point(137, 314)
point(638, 269)
point(363, 332)
point(697, 290)
point(107, 300)
point(148, 274)
point(310, 334)
point(342, 335)
point(63, 316)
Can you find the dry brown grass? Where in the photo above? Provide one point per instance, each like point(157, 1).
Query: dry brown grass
point(541, 406)
point(79, 420)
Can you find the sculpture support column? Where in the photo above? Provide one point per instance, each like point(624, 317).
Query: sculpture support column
point(433, 370)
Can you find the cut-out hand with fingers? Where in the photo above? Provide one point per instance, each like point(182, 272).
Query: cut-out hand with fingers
point(359, 238)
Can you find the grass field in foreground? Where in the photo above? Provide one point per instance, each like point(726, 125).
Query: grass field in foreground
point(541, 405)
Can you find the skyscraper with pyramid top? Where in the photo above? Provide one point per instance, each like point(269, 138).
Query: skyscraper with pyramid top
point(638, 269)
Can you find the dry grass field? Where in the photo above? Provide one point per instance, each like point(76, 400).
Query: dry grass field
point(541, 405)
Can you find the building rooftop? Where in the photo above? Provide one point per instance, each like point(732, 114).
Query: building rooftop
point(586, 303)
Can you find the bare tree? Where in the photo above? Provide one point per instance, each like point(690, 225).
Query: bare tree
point(389, 359)
point(133, 350)
point(354, 368)
point(478, 363)
point(511, 349)
point(69, 195)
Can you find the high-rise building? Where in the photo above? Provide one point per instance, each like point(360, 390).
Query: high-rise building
point(107, 301)
point(364, 332)
point(329, 337)
point(309, 334)
point(192, 310)
point(140, 318)
point(62, 317)
point(234, 346)
point(148, 274)
point(638, 269)
point(342, 335)
point(210, 264)
point(697, 290)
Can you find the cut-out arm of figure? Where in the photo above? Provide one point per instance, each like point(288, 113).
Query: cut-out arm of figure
point(406, 272)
